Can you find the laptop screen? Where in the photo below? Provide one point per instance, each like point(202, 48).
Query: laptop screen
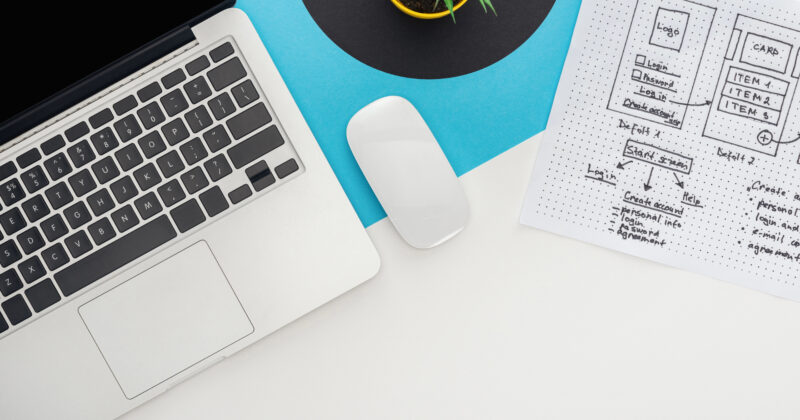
point(49, 46)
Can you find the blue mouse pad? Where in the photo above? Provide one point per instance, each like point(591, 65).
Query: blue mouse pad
point(475, 117)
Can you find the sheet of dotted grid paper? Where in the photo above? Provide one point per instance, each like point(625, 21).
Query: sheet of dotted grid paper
point(672, 137)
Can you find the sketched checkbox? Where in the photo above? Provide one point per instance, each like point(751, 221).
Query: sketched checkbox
point(637, 74)
point(640, 59)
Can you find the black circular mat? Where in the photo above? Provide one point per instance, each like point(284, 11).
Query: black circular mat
point(376, 33)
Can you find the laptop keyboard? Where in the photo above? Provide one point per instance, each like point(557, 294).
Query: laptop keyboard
point(170, 157)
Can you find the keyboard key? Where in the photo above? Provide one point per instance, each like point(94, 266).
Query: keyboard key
point(115, 255)
point(104, 141)
point(101, 231)
point(222, 106)
point(30, 241)
point(3, 325)
point(78, 244)
point(100, 202)
point(31, 269)
point(148, 92)
point(129, 157)
point(174, 102)
point(43, 295)
point(10, 282)
point(123, 189)
point(170, 164)
point(105, 170)
point(125, 218)
point(193, 151)
point(286, 168)
point(217, 167)
point(172, 79)
point(214, 201)
point(11, 192)
point(12, 221)
point(197, 90)
point(188, 215)
point(260, 176)
point(198, 119)
point(51, 146)
point(221, 52)
point(148, 206)
point(175, 132)
point(81, 153)
point(79, 130)
point(9, 253)
point(197, 65)
point(101, 118)
point(152, 144)
point(16, 310)
point(57, 166)
point(194, 180)
point(127, 128)
point(77, 215)
point(28, 158)
point(248, 121)
point(35, 208)
point(245, 93)
point(216, 138)
point(240, 194)
point(151, 115)
point(34, 179)
point(55, 257)
point(255, 147)
point(125, 105)
point(7, 169)
point(58, 195)
point(171, 193)
point(82, 183)
point(147, 177)
point(54, 227)
point(226, 73)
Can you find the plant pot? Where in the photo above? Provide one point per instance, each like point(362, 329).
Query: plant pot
point(420, 15)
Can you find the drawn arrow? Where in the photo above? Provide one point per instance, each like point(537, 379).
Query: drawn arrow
point(622, 165)
point(679, 183)
point(706, 103)
point(647, 186)
point(788, 141)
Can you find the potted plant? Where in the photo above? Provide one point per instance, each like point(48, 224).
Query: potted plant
point(435, 9)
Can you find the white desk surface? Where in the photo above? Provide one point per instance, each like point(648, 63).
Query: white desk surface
point(508, 322)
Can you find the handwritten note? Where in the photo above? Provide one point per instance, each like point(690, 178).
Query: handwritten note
point(674, 137)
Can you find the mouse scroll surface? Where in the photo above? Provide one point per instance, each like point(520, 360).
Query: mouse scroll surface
point(408, 172)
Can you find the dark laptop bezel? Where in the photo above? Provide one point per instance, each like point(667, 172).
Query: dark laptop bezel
point(105, 77)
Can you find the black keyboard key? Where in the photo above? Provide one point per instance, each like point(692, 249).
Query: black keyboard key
point(28, 158)
point(101, 118)
point(222, 106)
point(11, 192)
point(7, 169)
point(175, 132)
point(3, 325)
point(58, 195)
point(286, 168)
point(216, 138)
point(30, 241)
point(127, 128)
point(147, 177)
point(194, 180)
point(123, 189)
point(260, 176)
point(171, 193)
point(12, 221)
point(152, 144)
point(55, 257)
point(240, 194)
point(217, 167)
point(81, 153)
point(151, 115)
point(34, 179)
point(193, 151)
point(148, 206)
point(105, 170)
point(104, 141)
point(125, 105)
point(35, 208)
point(16, 310)
point(43, 295)
point(101, 231)
point(57, 166)
point(173, 78)
point(9, 253)
point(82, 183)
point(115, 255)
point(10, 282)
point(79, 130)
point(197, 90)
point(221, 52)
point(78, 244)
point(245, 93)
point(198, 119)
point(170, 164)
point(197, 65)
point(77, 215)
point(31, 269)
point(148, 92)
point(214, 201)
point(188, 215)
point(54, 227)
point(174, 102)
point(100, 202)
point(248, 121)
point(52, 145)
point(129, 157)
point(226, 73)
point(255, 147)
point(125, 218)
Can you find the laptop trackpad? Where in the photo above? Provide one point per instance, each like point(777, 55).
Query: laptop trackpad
point(166, 319)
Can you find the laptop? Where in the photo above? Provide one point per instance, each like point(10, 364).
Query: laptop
point(163, 203)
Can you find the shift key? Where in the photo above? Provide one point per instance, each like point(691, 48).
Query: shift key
point(248, 121)
point(253, 148)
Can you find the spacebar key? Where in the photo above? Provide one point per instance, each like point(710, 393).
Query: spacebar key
point(115, 255)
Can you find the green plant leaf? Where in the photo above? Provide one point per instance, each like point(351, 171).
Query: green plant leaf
point(449, 4)
point(485, 3)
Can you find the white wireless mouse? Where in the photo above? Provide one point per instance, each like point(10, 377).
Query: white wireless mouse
point(408, 172)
